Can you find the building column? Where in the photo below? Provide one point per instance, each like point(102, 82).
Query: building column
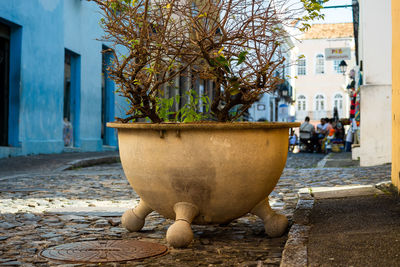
point(396, 93)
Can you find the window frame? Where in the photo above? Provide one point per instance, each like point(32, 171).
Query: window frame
point(341, 103)
point(319, 64)
point(318, 100)
point(302, 103)
point(302, 66)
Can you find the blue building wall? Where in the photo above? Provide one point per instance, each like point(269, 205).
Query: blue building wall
point(41, 32)
point(80, 36)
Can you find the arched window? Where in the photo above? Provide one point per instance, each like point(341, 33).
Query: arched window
point(319, 103)
point(301, 103)
point(338, 101)
point(319, 64)
point(301, 67)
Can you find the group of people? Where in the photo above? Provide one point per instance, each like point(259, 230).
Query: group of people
point(321, 138)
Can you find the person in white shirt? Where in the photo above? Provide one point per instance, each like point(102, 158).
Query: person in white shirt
point(350, 133)
point(307, 132)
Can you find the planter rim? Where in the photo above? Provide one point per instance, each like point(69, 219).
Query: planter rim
point(203, 125)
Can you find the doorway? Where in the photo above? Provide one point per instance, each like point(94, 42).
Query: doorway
point(107, 99)
point(71, 110)
point(4, 83)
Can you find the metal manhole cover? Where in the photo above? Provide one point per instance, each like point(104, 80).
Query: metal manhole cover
point(104, 251)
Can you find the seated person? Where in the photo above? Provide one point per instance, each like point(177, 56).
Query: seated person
point(339, 131)
point(328, 141)
point(321, 129)
point(328, 126)
point(292, 141)
point(307, 131)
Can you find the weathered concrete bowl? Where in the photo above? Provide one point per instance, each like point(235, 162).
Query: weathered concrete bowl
point(208, 173)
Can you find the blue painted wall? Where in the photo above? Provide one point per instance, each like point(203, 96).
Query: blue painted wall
point(41, 32)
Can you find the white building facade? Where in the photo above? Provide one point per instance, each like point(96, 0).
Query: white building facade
point(320, 84)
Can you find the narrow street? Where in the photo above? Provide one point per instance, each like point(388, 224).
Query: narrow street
point(194, 94)
point(83, 204)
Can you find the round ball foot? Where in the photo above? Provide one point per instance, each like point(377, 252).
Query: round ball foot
point(179, 234)
point(131, 221)
point(276, 225)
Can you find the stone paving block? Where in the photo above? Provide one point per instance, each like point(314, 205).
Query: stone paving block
point(302, 212)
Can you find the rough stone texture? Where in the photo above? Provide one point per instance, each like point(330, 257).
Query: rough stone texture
point(52, 208)
point(303, 210)
point(368, 233)
point(295, 252)
point(303, 160)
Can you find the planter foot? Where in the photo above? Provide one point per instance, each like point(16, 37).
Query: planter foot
point(275, 224)
point(133, 219)
point(179, 234)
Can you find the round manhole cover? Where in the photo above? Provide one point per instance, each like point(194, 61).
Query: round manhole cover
point(104, 251)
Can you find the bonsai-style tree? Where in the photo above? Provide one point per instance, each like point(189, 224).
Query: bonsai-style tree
point(233, 43)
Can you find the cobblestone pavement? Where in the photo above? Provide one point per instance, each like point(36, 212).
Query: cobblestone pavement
point(41, 211)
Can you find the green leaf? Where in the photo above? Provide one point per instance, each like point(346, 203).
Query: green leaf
point(242, 57)
point(222, 62)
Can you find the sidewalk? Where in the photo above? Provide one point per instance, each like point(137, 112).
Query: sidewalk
point(45, 163)
point(344, 226)
point(355, 231)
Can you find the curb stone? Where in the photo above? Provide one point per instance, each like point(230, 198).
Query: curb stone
point(295, 250)
point(341, 191)
point(81, 163)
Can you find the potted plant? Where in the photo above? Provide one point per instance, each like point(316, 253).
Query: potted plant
point(184, 154)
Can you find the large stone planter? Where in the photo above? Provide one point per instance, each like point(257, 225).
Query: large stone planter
point(205, 173)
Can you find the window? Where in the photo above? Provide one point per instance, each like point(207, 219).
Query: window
point(336, 67)
point(195, 10)
point(319, 64)
point(301, 67)
point(319, 103)
point(301, 103)
point(260, 107)
point(338, 101)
